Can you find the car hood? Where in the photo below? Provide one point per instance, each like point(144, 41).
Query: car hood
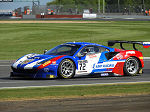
point(40, 56)
point(31, 61)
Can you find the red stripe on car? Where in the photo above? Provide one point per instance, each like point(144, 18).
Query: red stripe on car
point(50, 62)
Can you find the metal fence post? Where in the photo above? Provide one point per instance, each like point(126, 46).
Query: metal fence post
point(119, 6)
point(103, 6)
point(99, 6)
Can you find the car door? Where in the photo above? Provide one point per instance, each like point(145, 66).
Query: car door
point(87, 57)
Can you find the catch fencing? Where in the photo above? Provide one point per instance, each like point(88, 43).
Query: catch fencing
point(78, 9)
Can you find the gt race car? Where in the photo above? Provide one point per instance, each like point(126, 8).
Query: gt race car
point(81, 58)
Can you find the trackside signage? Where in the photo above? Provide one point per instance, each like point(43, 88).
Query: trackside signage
point(89, 15)
point(6, 0)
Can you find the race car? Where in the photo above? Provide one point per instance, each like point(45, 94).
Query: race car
point(81, 58)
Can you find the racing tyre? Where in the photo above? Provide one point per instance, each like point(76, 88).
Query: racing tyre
point(131, 66)
point(66, 69)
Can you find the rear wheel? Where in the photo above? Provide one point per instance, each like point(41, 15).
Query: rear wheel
point(131, 66)
point(66, 69)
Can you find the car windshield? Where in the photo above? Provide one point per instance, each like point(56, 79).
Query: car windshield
point(66, 49)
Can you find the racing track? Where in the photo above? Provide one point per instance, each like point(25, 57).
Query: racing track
point(6, 82)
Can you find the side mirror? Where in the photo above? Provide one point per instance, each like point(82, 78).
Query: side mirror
point(45, 51)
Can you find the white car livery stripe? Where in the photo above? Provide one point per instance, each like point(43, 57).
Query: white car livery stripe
point(30, 66)
point(19, 61)
point(23, 59)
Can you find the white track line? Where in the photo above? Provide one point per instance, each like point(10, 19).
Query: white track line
point(129, 18)
point(14, 82)
point(4, 65)
point(146, 58)
point(74, 85)
point(7, 60)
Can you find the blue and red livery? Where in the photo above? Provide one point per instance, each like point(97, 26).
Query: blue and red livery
point(81, 58)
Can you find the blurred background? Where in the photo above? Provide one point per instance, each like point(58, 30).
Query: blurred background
point(47, 8)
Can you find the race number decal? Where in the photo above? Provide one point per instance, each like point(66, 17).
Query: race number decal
point(82, 65)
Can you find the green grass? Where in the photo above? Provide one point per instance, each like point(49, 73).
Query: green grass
point(17, 40)
point(74, 91)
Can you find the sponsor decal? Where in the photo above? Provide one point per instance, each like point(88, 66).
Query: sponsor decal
point(119, 56)
point(46, 69)
point(104, 74)
point(51, 76)
point(54, 62)
point(27, 61)
point(100, 66)
point(92, 56)
point(82, 61)
point(46, 63)
point(130, 52)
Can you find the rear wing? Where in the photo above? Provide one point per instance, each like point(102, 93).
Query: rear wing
point(113, 42)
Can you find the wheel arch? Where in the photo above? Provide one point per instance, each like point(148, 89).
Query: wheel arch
point(61, 61)
point(140, 64)
point(69, 59)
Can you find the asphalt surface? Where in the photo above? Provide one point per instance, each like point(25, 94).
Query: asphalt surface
point(6, 82)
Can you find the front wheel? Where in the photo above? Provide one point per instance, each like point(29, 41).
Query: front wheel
point(66, 69)
point(131, 66)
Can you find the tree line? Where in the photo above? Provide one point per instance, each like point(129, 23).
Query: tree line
point(95, 2)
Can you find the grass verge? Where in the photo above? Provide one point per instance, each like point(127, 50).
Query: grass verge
point(20, 39)
point(74, 91)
